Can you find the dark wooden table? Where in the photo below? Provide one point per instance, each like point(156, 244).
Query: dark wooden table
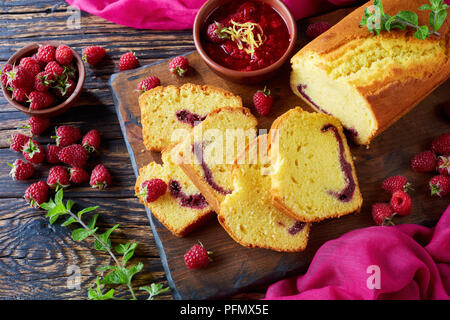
point(35, 258)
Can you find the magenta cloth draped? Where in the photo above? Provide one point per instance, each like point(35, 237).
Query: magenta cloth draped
point(413, 263)
point(177, 14)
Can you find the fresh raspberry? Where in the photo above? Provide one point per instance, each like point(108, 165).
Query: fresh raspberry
point(179, 66)
point(38, 61)
point(382, 214)
point(440, 185)
point(401, 203)
point(41, 100)
point(4, 73)
point(64, 55)
point(19, 77)
point(197, 257)
point(100, 177)
point(443, 165)
point(215, 33)
point(396, 183)
point(18, 141)
point(153, 189)
point(74, 155)
point(30, 65)
point(91, 141)
point(46, 53)
point(148, 83)
point(38, 125)
point(263, 101)
point(64, 88)
point(93, 54)
point(43, 81)
point(58, 178)
point(51, 154)
point(54, 68)
point(128, 61)
point(441, 145)
point(21, 170)
point(67, 135)
point(33, 152)
point(20, 95)
point(424, 162)
point(78, 175)
point(316, 29)
point(37, 193)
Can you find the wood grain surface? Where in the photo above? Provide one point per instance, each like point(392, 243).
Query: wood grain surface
point(235, 267)
point(35, 257)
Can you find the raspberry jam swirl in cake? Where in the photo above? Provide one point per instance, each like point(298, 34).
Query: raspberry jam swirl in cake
point(194, 201)
point(188, 117)
point(245, 36)
point(346, 194)
point(296, 228)
point(197, 150)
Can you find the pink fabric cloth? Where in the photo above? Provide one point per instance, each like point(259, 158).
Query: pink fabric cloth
point(177, 14)
point(414, 263)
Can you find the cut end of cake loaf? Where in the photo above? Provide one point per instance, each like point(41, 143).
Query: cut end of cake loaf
point(369, 81)
point(313, 174)
point(169, 113)
point(248, 215)
point(182, 208)
point(208, 153)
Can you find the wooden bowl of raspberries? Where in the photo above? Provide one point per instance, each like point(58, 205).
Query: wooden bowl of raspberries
point(43, 79)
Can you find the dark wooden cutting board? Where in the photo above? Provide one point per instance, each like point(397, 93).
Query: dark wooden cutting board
point(236, 268)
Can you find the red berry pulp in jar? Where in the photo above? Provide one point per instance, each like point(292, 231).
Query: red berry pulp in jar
point(245, 36)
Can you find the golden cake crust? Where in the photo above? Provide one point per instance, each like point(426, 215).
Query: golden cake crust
point(153, 139)
point(401, 90)
point(277, 198)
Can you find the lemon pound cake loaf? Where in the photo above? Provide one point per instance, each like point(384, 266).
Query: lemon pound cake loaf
point(369, 81)
point(248, 215)
point(313, 174)
point(208, 153)
point(182, 207)
point(167, 113)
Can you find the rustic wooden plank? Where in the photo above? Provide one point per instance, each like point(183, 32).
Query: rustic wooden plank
point(35, 256)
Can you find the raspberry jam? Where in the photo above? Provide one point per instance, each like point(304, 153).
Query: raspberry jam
point(247, 36)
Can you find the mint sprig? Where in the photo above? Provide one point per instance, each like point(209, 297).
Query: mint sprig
point(119, 273)
point(376, 20)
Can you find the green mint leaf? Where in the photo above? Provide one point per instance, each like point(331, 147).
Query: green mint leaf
point(123, 247)
point(59, 197)
point(408, 16)
point(97, 293)
point(438, 19)
point(80, 234)
point(131, 271)
point(54, 213)
point(69, 221)
point(154, 290)
point(106, 268)
point(69, 205)
point(425, 7)
point(117, 276)
point(85, 210)
point(105, 238)
point(436, 3)
point(92, 222)
point(422, 33)
point(48, 205)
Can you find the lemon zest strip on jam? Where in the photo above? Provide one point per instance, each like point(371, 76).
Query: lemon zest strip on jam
point(242, 33)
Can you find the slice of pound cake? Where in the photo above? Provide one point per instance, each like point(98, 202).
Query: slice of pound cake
point(313, 174)
point(369, 81)
point(208, 153)
point(182, 207)
point(248, 215)
point(169, 113)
